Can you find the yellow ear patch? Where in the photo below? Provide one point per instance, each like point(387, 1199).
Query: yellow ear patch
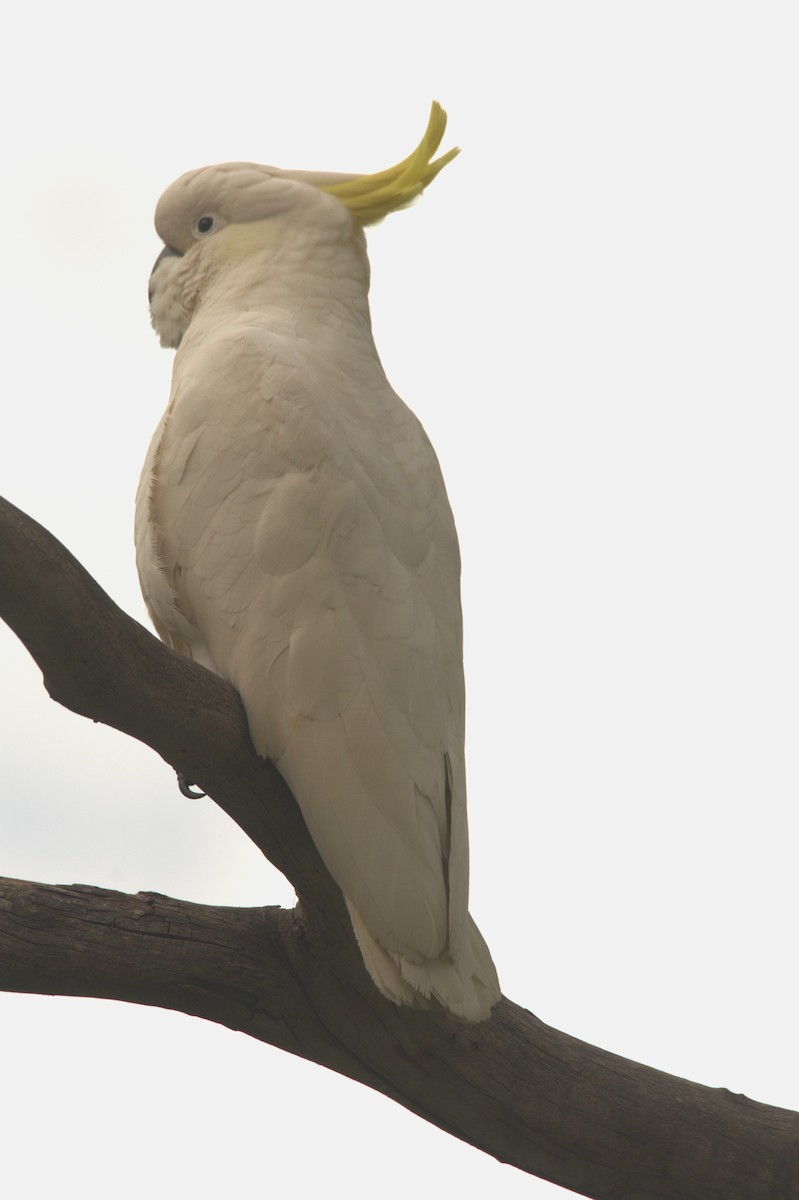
point(372, 197)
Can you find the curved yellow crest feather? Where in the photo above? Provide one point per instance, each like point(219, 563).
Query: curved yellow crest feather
point(372, 197)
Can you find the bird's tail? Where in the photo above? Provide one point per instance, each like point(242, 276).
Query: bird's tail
point(467, 987)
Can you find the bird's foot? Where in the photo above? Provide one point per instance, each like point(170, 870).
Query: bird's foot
point(187, 788)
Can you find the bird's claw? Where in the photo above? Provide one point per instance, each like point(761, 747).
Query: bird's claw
point(189, 789)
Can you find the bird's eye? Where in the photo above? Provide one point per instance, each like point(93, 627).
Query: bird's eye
point(204, 225)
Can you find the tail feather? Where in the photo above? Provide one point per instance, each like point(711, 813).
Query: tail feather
point(466, 988)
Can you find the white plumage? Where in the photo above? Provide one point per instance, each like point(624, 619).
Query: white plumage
point(294, 535)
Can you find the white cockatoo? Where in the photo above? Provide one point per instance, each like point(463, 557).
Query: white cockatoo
point(294, 536)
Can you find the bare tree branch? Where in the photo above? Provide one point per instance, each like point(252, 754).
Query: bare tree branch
point(523, 1092)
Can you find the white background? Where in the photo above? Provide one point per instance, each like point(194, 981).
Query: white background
point(594, 313)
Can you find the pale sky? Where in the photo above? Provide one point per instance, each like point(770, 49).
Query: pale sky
point(594, 313)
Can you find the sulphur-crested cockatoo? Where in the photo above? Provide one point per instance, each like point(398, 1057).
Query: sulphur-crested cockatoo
point(294, 536)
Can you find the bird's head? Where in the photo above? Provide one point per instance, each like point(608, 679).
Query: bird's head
point(217, 216)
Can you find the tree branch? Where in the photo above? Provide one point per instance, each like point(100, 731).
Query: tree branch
point(523, 1092)
point(100, 663)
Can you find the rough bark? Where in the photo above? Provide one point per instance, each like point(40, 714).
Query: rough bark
point(528, 1094)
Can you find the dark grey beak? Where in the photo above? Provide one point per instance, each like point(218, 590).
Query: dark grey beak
point(167, 252)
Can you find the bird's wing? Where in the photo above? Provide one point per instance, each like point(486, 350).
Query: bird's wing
point(304, 526)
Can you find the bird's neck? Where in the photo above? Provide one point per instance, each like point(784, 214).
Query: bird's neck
point(302, 279)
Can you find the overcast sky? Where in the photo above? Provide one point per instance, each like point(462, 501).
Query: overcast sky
point(594, 313)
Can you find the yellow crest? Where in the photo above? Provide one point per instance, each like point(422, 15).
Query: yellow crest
point(372, 197)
